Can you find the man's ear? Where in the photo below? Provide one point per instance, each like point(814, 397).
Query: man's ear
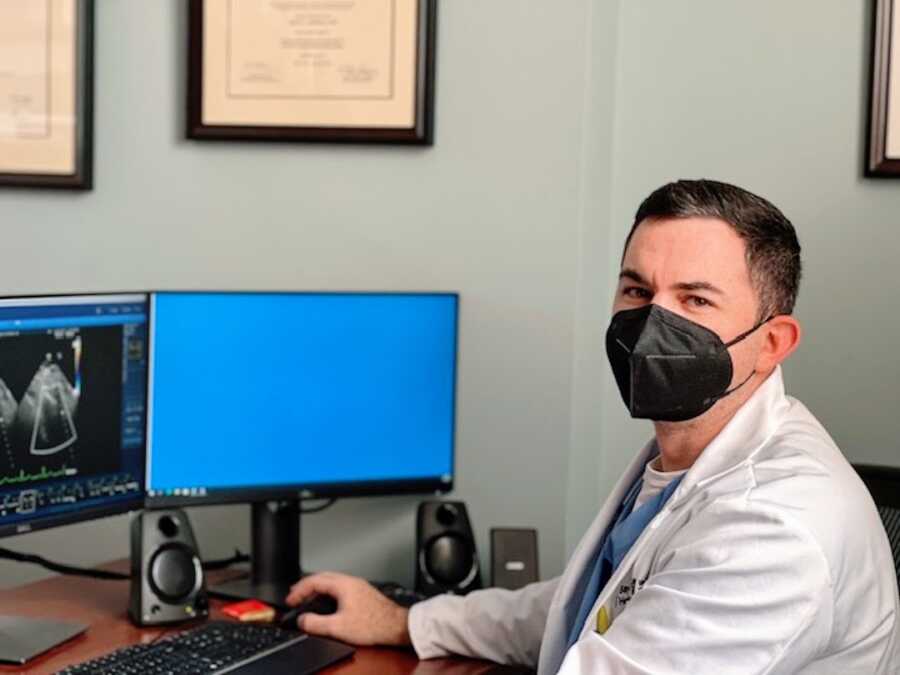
point(781, 337)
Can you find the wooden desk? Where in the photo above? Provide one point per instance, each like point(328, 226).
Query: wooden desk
point(103, 605)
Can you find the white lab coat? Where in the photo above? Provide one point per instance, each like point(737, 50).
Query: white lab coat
point(769, 558)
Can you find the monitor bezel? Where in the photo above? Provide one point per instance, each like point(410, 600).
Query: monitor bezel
point(101, 511)
point(438, 485)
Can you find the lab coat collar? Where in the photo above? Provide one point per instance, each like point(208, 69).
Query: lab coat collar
point(752, 425)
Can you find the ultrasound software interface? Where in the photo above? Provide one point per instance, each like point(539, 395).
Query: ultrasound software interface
point(73, 372)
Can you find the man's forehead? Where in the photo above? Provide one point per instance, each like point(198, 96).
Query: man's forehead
point(687, 250)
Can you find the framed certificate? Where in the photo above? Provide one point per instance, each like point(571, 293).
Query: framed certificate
point(312, 70)
point(46, 93)
point(883, 155)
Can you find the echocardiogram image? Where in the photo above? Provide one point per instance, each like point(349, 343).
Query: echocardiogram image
point(60, 400)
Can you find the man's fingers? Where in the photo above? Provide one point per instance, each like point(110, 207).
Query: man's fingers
point(317, 624)
point(299, 592)
point(308, 586)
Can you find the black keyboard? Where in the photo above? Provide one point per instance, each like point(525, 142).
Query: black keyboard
point(214, 647)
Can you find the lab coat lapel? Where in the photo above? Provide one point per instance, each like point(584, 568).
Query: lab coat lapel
point(568, 596)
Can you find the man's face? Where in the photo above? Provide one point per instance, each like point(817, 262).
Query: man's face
point(694, 267)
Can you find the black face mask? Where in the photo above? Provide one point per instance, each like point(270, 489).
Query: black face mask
point(668, 368)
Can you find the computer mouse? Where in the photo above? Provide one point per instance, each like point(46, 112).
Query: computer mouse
point(318, 604)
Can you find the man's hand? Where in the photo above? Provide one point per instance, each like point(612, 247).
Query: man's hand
point(364, 616)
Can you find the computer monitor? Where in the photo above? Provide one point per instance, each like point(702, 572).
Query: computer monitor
point(270, 398)
point(73, 378)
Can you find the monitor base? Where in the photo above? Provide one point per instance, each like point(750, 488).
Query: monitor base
point(274, 555)
point(23, 638)
point(244, 589)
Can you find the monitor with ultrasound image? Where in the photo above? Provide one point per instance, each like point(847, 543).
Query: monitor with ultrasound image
point(73, 390)
point(73, 377)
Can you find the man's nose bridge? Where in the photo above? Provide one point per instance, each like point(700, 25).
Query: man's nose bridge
point(666, 300)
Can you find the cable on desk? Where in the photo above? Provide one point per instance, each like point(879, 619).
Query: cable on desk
point(222, 563)
point(321, 507)
point(60, 568)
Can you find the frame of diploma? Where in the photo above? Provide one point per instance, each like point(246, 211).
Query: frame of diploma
point(312, 70)
point(46, 93)
point(883, 153)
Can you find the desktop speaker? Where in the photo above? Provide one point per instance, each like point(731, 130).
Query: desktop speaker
point(446, 560)
point(167, 583)
point(514, 557)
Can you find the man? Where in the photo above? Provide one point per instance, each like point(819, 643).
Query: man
point(739, 540)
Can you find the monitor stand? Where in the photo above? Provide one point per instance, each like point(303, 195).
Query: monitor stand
point(23, 638)
point(274, 555)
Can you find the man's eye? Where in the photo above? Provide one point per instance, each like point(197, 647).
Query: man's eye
point(697, 301)
point(636, 292)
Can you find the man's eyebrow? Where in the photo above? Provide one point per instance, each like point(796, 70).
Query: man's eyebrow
point(634, 275)
point(628, 273)
point(698, 286)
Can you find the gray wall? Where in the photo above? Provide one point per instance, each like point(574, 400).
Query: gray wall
point(553, 121)
point(489, 211)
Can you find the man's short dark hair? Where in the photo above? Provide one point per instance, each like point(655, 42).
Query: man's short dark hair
point(773, 252)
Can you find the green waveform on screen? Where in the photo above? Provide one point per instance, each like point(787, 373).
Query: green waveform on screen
point(43, 474)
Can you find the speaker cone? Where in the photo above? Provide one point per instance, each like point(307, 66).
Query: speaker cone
point(449, 559)
point(173, 574)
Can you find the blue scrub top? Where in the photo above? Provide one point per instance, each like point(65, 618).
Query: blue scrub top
point(629, 525)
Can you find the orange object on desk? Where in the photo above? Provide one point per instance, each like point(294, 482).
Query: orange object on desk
point(250, 610)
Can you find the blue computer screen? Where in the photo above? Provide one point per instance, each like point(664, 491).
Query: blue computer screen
point(251, 390)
